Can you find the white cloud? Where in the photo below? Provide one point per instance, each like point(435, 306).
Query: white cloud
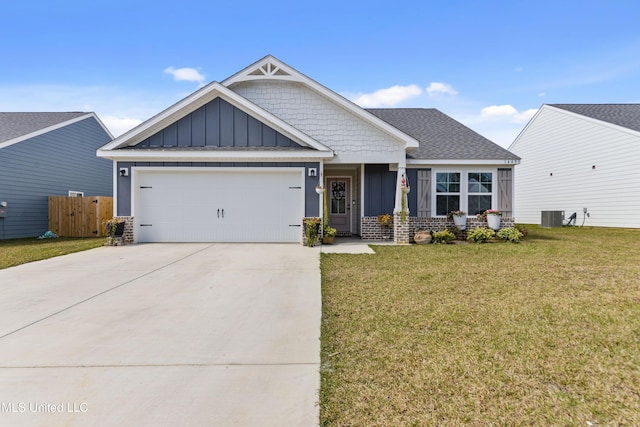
point(507, 112)
point(119, 125)
point(185, 74)
point(386, 97)
point(436, 88)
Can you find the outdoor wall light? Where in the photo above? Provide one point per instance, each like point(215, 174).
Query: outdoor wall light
point(124, 172)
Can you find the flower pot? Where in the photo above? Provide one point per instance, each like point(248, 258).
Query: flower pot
point(493, 221)
point(327, 240)
point(319, 189)
point(460, 222)
point(422, 237)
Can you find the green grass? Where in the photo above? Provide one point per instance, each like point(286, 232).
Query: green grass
point(19, 251)
point(546, 332)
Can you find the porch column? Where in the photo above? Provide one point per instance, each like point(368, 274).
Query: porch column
point(401, 229)
point(402, 172)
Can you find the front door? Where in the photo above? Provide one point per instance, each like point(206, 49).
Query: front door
point(339, 204)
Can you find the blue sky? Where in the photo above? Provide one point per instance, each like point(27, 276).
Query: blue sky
point(489, 64)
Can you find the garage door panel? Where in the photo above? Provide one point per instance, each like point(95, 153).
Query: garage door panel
point(219, 206)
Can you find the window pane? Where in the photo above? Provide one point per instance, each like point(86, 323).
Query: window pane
point(480, 182)
point(479, 204)
point(447, 182)
point(446, 204)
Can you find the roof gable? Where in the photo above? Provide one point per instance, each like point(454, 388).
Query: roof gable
point(19, 126)
point(441, 137)
point(221, 125)
point(625, 115)
point(271, 68)
point(195, 101)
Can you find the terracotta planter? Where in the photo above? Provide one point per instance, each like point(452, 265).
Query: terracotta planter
point(422, 237)
point(327, 240)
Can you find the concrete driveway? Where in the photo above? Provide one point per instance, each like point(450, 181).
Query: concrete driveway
point(163, 335)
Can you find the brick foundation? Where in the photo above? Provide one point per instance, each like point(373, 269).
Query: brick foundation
point(373, 230)
point(127, 235)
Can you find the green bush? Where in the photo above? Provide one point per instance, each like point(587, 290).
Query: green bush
point(480, 234)
point(511, 234)
point(522, 229)
point(444, 236)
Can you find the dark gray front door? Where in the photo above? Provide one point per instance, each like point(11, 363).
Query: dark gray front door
point(340, 203)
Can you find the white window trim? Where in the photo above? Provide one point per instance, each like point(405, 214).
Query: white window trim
point(464, 186)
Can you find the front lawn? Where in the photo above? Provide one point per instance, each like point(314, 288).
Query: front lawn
point(19, 251)
point(546, 332)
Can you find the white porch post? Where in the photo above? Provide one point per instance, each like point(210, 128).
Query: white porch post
point(402, 172)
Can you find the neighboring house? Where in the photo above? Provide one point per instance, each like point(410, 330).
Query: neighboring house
point(579, 156)
point(48, 154)
point(240, 161)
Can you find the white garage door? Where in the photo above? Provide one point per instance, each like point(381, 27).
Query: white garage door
point(221, 205)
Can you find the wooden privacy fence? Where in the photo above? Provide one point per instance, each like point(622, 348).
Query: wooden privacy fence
point(79, 216)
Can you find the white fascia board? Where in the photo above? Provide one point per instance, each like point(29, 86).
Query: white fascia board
point(52, 128)
point(198, 99)
point(297, 76)
point(211, 156)
point(413, 163)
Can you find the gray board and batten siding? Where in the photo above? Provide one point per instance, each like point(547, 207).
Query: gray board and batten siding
point(218, 124)
point(51, 164)
point(380, 190)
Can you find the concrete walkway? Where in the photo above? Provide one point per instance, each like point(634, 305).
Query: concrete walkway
point(353, 245)
point(163, 335)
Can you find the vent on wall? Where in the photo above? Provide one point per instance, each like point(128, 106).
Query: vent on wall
point(552, 219)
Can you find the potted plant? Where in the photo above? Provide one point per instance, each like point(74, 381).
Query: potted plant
point(328, 234)
point(311, 226)
point(459, 219)
point(386, 220)
point(493, 218)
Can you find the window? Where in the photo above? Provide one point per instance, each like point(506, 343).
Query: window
point(479, 187)
point(338, 197)
point(447, 192)
point(76, 193)
point(467, 190)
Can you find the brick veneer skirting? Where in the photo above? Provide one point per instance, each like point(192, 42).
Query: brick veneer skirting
point(373, 230)
point(127, 235)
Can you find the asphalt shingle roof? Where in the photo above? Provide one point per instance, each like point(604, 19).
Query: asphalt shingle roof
point(14, 125)
point(440, 136)
point(626, 115)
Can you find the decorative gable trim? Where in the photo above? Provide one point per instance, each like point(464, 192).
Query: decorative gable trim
point(54, 127)
point(197, 100)
point(272, 68)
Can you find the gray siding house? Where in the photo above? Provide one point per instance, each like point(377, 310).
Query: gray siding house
point(245, 160)
point(48, 154)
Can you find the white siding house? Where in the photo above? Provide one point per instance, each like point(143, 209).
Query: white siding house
point(577, 156)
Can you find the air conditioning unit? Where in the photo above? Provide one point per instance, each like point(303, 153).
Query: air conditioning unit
point(552, 219)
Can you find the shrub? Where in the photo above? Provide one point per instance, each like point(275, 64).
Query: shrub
point(511, 234)
point(444, 236)
point(523, 230)
point(480, 234)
